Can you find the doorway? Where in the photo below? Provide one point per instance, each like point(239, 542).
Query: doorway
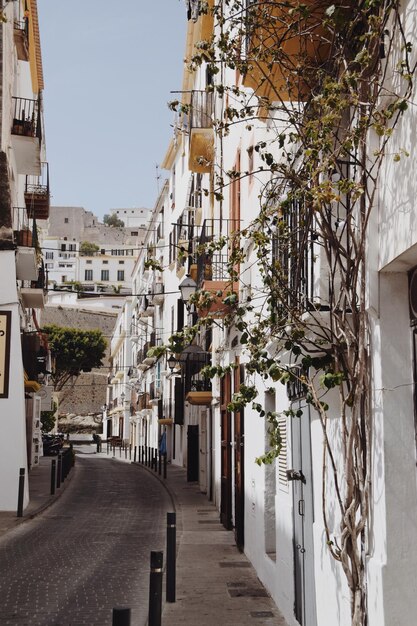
point(303, 518)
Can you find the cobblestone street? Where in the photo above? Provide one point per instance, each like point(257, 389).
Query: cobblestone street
point(87, 553)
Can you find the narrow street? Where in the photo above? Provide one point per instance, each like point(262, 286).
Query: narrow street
point(87, 553)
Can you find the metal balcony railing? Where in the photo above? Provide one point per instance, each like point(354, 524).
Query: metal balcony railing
point(27, 118)
point(25, 233)
point(213, 266)
point(201, 110)
point(42, 281)
point(294, 250)
point(37, 194)
point(191, 372)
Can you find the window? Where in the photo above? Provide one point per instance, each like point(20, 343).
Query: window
point(121, 262)
point(120, 275)
point(63, 246)
point(104, 274)
point(88, 275)
point(105, 262)
point(89, 262)
point(63, 279)
point(61, 265)
point(134, 233)
point(66, 220)
point(49, 255)
point(72, 247)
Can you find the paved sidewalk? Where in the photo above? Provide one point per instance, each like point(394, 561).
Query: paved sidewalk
point(40, 495)
point(216, 584)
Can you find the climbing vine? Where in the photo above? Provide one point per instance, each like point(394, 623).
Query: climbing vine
point(331, 81)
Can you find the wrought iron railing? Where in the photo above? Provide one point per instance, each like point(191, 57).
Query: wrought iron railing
point(201, 109)
point(37, 187)
point(293, 255)
point(27, 117)
point(213, 265)
point(193, 379)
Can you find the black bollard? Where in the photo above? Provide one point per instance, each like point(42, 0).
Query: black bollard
point(121, 616)
point(21, 492)
point(165, 465)
point(59, 471)
point(53, 476)
point(155, 589)
point(155, 459)
point(159, 463)
point(171, 557)
point(134, 455)
point(125, 451)
point(130, 452)
point(63, 466)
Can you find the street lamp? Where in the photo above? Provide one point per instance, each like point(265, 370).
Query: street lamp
point(188, 287)
point(172, 362)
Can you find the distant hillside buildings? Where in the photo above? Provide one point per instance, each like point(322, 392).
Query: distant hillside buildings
point(89, 256)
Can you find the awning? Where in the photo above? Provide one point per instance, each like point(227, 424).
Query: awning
point(31, 385)
point(166, 421)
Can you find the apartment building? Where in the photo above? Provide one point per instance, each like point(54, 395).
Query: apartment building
point(245, 275)
point(24, 200)
point(93, 259)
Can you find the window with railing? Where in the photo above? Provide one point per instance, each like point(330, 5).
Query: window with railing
point(293, 255)
point(213, 265)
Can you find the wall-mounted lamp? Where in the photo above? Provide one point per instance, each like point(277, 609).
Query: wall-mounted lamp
point(172, 362)
point(187, 287)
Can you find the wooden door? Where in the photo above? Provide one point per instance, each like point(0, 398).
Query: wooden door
point(239, 450)
point(203, 452)
point(226, 455)
point(192, 453)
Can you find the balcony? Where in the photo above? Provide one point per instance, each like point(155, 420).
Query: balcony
point(197, 388)
point(157, 293)
point(26, 135)
point(201, 154)
point(213, 275)
point(284, 46)
point(37, 194)
point(21, 38)
point(34, 297)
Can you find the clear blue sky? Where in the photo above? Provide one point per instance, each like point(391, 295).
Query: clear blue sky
point(108, 70)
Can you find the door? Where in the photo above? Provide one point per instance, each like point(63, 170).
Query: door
point(192, 453)
point(301, 476)
point(226, 455)
point(239, 465)
point(203, 452)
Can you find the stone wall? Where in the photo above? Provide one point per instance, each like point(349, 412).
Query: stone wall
point(89, 392)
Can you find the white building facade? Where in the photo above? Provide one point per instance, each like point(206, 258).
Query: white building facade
point(24, 199)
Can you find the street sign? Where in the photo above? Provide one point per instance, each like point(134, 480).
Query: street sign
point(5, 324)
